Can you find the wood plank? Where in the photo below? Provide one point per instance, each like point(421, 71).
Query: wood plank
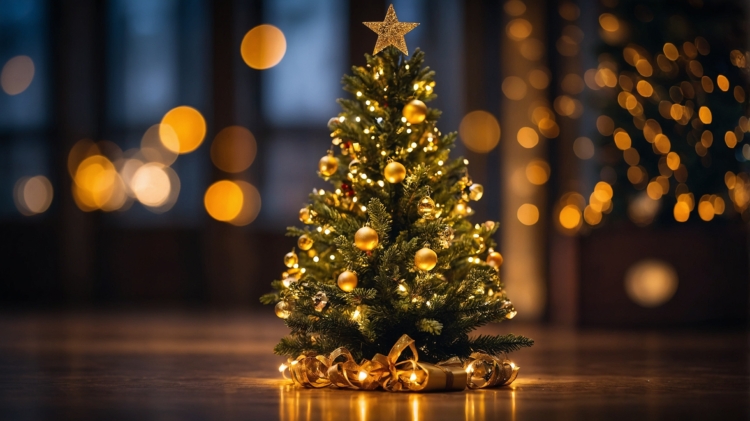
point(218, 366)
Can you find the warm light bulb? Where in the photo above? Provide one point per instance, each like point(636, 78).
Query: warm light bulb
point(362, 375)
point(413, 377)
point(283, 367)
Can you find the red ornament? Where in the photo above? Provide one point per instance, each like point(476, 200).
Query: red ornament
point(347, 189)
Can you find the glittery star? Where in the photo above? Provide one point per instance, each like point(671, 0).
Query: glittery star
point(391, 32)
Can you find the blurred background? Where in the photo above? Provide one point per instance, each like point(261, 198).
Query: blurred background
point(152, 152)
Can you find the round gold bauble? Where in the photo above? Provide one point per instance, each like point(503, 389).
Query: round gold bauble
point(290, 259)
point(366, 239)
point(282, 310)
point(425, 259)
point(426, 208)
point(305, 242)
point(328, 165)
point(347, 281)
point(415, 111)
point(355, 166)
point(305, 216)
point(395, 172)
point(494, 259)
point(476, 191)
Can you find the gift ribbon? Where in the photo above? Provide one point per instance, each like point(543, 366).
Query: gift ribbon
point(339, 369)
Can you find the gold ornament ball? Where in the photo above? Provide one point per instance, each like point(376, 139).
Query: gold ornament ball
point(476, 191)
point(347, 281)
point(290, 259)
point(328, 165)
point(366, 239)
point(304, 216)
point(415, 111)
point(305, 242)
point(425, 259)
point(355, 166)
point(495, 259)
point(395, 172)
point(282, 310)
point(426, 208)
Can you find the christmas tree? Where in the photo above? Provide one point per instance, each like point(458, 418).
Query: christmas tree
point(388, 249)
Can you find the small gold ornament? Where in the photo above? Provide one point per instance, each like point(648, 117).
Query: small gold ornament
point(426, 208)
point(320, 300)
point(347, 281)
point(328, 165)
point(415, 111)
point(425, 259)
point(282, 310)
point(494, 259)
point(355, 166)
point(290, 259)
point(391, 32)
point(366, 239)
point(305, 215)
point(476, 191)
point(507, 305)
point(289, 280)
point(395, 172)
point(305, 242)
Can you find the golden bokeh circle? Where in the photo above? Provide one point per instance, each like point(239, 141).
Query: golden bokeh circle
point(233, 149)
point(479, 131)
point(263, 47)
point(187, 124)
point(224, 200)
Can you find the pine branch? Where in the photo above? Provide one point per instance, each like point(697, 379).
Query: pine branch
point(499, 344)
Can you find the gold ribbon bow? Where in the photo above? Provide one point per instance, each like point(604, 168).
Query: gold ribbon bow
point(340, 370)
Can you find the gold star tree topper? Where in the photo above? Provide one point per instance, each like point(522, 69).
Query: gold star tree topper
point(391, 32)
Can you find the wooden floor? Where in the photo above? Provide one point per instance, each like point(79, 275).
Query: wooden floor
point(208, 366)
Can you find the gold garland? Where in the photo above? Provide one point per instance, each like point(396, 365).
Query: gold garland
point(340, 370)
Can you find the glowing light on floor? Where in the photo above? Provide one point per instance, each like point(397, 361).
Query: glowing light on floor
point(651, 282)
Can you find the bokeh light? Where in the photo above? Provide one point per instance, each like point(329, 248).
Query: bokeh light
point(263, 47)
point(160, 144)
point(479, 131)
point(187, 124)
point(151, 184)
point(528, 214)
point(97, 185)
point(514, 88)
point(251, 205)
point(224, 200)
point(17, 75)
point(233, 150)
point(527, 137)
point(583, 147)
point(518, 29)
point(537, 172)
point(570, 217)
point(651, 283)
point(33, 195)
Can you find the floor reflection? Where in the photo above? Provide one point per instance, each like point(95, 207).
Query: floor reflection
point(298, 404)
